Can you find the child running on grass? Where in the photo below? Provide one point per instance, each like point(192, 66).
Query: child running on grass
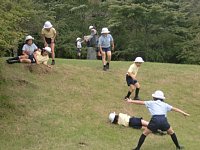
point(158, 109)
point(132, 80)
point(106, 42)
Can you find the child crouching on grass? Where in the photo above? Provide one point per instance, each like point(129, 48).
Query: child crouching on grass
point(158, 109)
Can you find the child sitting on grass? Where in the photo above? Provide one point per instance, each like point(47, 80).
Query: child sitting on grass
point(39, 57)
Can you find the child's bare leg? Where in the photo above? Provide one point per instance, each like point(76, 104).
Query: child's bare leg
point(25, 60)
point(144, 123)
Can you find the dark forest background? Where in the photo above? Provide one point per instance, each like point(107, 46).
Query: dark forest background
point(157, 30)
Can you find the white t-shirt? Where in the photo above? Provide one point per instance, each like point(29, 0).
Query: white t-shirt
point(79, 44)
point(157, 107)
point(30, 48)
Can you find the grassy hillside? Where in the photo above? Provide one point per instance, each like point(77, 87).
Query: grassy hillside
point(67, 107)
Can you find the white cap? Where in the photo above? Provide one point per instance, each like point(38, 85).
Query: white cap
point(29, 37)
point(158, 94)
point(78, 39)
point(47, 24)
point(139, 59)
point(112, 117)
point(105, 30)
point(91, 27)
point(48, 49)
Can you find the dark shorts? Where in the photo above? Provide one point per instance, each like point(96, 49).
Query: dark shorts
point(78, 50)
point(129, 80)
point(106, 49)
point(158, 122)
point(135, 123)
point(48, 40)
point(31, 57)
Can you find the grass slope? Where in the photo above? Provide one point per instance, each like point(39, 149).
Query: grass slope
point(67, 107)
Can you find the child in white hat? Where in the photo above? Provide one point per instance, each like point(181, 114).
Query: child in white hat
point(78, 46)
point(158, 109)
point(28, 50)
point(42, 56)
point(106, 42)
point(131, 79)
point(49, 35)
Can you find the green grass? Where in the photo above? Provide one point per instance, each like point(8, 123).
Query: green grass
point(67, 107)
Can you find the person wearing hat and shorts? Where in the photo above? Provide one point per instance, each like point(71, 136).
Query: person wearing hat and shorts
point(42, 56)
point(78, 46)
point(106, 42)
point(27, 51)
point(127, 121)
point(130, 121)
point(49, 35)
point(158, 110)
point(131, 79)
point(39, 57)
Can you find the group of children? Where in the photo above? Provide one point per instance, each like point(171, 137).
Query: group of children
point(104, 44)
point(32, 54)
point(157, 108)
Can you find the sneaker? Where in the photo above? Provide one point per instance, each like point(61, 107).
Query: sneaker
point(107, 66)
point(53, 62)
point(104, 68)
point(137, 98)
point(181, 147)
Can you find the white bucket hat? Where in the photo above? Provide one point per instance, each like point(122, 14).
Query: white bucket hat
point(47, 24)
point(158, 94)
point(48, 49)
point(112, 117)
point(29, 37)
point(91, 27)
point(139, 59)
point(78, 39)
point(105, 30)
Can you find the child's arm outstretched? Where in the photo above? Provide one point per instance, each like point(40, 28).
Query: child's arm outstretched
point(135, 102)
point(180, 111)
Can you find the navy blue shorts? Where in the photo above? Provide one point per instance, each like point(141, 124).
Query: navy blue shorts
point(158, 122)
point(106, 49)
point(48, 40)
point(135, 123)
point(130, 80)
point(31, 57)
point(78, 50)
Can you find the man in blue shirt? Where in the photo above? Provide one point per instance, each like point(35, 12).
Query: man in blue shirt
point(105, 43)
point(158, 109)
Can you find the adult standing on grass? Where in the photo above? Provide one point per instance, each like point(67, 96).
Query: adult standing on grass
point(49, 35)
point(91, 41)
point(131, 79)
point(158, 109)
point(106, 42)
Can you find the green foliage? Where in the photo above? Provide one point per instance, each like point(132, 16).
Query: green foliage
point(158, 30)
